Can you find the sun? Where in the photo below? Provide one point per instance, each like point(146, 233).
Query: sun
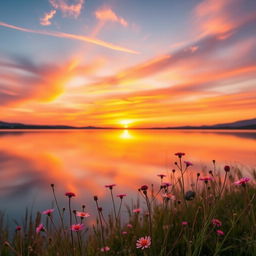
point(126, 123)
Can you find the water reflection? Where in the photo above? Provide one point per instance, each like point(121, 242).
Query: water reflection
point(84, 161)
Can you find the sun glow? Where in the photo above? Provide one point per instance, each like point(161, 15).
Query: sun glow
point(126, 123)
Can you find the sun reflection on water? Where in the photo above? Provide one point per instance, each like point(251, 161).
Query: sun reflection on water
point(126, 135)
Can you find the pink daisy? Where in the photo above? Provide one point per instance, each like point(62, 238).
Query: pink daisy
point(70, 194)
point(184, 223)
point(137, 210)
point(77, 227)
point(40, 228)
point(216, 222)
point(143, 242)
point(205, 179)
point(187, 163)
point(105, 249)
point(110, 186)
point(220, 232)
point(82, 214)
point(129, 225)
point(242, 181)
point(48, 212)
point(161, 175)
point(121, 196)
point(179, 154)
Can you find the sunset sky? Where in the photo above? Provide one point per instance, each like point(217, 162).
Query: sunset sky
point(135, 63)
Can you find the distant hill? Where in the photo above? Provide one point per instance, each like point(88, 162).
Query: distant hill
point(243, 124)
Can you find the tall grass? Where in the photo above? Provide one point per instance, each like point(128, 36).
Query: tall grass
point(214, 216)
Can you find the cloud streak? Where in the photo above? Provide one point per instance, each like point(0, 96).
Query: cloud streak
point(67, 7)
point(71, 36)
point(46, 19)
point(107, 14)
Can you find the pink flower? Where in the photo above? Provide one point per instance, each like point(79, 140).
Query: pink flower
point(137, 210)
point(220, 232)
point(169, 196)
point(40, 228)
point(184, 223)
point(143, 242)
point(144, 187)
point(188, 163)
point(110, 186)
point(124, 233)
point(226, 168)
point(77, 227)
point(216, 222)
point(121, 196)
point(129, 225)
point(161, 175)
point(179, 154)
point(82, 214)
point(242, 181)
point(18, 228)
point(165, 184)
point(105, 249)
point(48, 212)
point(70, 194)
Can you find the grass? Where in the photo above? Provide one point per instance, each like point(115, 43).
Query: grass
point(216, 216)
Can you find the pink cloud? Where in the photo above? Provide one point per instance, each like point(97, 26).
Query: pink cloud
point(68, 8)
point(45, 21)
point(107, 14)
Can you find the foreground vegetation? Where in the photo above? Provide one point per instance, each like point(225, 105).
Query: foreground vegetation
point(214, 214)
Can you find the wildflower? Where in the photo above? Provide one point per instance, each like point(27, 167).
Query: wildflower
point(179, 154)
point(187, 163)
point(18, 228)
point(70, 194)
point(129, 225)
point(206, 179)
point(168, 196)
point(124, 233)
point(121, 196)
point(137, 210)
point(95, 198)
point(77, 227)
point(190, 195)
point(48, 212)
point(184, 223)
point(242, 181)
point(40, 228)
point(227, 168)
point(110, 186)
point(216, 222)
point(161, 175)
point(105, 249)
point(220, 232)
point(144, 187)
point(165, 184)
point(143, 242)
point(82, 214)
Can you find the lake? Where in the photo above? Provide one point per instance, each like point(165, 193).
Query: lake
point(83, 161)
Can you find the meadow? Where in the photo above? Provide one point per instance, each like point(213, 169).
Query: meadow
point(211, 214)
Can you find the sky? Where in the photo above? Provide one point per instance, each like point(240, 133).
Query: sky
point(119, 63)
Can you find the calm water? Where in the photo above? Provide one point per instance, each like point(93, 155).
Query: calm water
point(84, 161)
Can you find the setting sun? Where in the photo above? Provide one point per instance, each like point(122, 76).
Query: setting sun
point(126, 123)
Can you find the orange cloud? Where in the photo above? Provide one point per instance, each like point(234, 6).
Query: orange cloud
point(45, 21)
point(67, 7)
point(71, 36)
point(107, 14)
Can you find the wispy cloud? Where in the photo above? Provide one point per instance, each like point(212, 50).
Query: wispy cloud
point(68, 8)
point(71, 36)
point(107, 14)
point(46, 19)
